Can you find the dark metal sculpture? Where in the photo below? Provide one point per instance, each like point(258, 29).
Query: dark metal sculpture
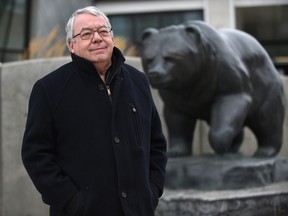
point(224, 77)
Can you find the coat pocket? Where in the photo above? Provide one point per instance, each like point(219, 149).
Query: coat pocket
point(154, 195)
point(76, 206)
point(135, 120)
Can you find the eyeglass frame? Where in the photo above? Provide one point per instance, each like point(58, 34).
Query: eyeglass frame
point(93, 31)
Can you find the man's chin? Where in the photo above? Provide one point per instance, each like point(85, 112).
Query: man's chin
point(100, 58)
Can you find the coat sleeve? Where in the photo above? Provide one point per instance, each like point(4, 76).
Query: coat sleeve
point(39, 152)
point(158, 152)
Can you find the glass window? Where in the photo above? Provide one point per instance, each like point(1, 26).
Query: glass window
point(270, 27)
point(13, 27)
point(130, 27)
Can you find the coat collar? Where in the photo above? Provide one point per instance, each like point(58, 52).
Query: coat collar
point(88, 67)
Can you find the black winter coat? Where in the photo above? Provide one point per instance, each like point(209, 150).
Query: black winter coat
point(92, 154)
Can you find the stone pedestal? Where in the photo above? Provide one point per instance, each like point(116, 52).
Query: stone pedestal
point(270, 200)
point(230, 185)
point(232, 171)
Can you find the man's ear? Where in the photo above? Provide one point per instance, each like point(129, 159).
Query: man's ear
point(71, 46)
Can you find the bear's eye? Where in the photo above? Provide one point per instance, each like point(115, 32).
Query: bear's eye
point(148, 60)
point(168, 58)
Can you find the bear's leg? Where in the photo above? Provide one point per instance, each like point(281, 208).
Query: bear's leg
point(180, 129)
point(226, 123)
point(269, 140)
point(236, 143)
point(268, 129)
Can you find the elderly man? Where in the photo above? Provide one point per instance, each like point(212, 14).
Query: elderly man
point(93, 143)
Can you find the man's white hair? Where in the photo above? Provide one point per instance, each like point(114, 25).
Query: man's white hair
point(87, 10)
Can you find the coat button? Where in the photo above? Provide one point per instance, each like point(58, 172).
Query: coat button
point(116, 140)
point(123, 194)
point(101, 87)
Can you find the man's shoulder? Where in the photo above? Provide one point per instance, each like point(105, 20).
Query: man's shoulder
point(133, 72)
point(139, 81)
point(54, 82)
point(61, 72)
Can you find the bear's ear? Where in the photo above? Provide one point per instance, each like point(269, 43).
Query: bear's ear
point(194, 31)
point(148, 32)
point(196, 34)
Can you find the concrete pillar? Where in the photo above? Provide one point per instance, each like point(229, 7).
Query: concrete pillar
point(220, 13)
point(19, 196)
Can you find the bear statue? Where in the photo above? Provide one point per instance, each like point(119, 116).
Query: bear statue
point(224, 77)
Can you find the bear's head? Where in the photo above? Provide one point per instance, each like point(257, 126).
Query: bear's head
point(173, 56)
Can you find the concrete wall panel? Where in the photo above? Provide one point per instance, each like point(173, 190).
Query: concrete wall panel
point(19, 197)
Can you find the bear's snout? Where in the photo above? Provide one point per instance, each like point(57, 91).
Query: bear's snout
point(153, 75)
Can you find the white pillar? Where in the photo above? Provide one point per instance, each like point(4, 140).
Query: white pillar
point(220, 13)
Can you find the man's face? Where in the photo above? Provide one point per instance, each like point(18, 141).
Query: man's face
point(98, 49)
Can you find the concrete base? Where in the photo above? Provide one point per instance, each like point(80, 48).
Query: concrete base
point(226, 172)
point(228, 185)
point(265, 201)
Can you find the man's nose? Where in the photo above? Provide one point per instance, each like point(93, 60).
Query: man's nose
point(96, 36)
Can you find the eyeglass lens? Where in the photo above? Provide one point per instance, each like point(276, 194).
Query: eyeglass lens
point(86, 34)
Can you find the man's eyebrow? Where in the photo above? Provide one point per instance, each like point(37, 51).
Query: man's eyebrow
point(88, 28)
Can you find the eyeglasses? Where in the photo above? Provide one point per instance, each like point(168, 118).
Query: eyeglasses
point(88, 33)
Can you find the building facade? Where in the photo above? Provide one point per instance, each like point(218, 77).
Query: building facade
point(42, 22)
